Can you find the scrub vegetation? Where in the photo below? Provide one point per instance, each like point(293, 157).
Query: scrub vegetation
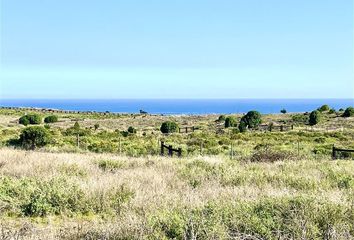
point(101, 177)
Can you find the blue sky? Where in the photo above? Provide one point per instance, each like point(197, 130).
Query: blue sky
point(177, 49)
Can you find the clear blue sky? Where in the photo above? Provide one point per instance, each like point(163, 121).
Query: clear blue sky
point(177, 49)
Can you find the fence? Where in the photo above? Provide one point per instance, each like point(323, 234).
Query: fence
point(170, 150)
point(187, 129)
point(345, 153)
point(271, 127)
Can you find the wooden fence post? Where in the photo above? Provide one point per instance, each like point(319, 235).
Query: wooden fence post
point(281, 128)
point(334, 155)
point(170, 152)
point(162, 148)
point(120, 146)
point(78, 140)
point(179, 152)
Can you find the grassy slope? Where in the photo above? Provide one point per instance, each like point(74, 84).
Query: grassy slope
point(51, 194)
point(90, 195)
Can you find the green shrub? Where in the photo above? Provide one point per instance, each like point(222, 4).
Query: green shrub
point(332, 111)
point(169, 127)
point(324, 108)
point(230, 122)
point(300, 118)
point(221, 118)
point(110, 165)
point(30, 119)
point(283, 111)
point(24, 120)
point(349, 112)
point(51, 119)
point(315, 118)
point(33, 137)
point(96, 126)
point(131, 130)
point(242, 126)
point(252, 119)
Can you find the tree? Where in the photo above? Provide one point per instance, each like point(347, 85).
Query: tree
point(349, 112)
point(131, 130)
point(324, 108)
point(51, 119)
point(96, 126)
point(283, 111)
point(169, 127)
point(332, 111)
point(33, 137)
point(230, 122)
point(315, 117)
point(252, 119)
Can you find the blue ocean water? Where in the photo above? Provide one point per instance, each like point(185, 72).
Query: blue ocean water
point(180, 106)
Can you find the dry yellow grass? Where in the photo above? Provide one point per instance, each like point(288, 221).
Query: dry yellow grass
point(160, 184)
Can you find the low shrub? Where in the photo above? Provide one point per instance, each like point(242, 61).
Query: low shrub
point(267, 155)
point(131, 130)
point(33, 137)
point(230, 122)
point(315, 118)
point(30, 119)
point(349, 112)
point(324, 108)
point(51, 119)
point(169, 127)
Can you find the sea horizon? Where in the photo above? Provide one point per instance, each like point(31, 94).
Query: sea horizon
point(181, 105)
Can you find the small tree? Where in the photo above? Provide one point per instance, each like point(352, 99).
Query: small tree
point(252, 119)
point(315, 117)
point(33, 137)
point(131, 130)
point(230, 122)
point(324, 108)
point(283, 111)
point(51, 119)
point(169, 127)
point(96, 126)
point(349, 112)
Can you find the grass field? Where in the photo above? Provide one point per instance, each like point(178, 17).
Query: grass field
point(277, 185)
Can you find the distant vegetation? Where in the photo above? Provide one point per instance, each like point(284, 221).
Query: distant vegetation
point(315, 117)
point(30, 119)
point(230, 121)
point(349, 112)
point(169, 127)
point(51, 119)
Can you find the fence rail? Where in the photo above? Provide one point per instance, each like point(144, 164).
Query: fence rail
point(186, 129)
point(336, 150)
point(170, 149)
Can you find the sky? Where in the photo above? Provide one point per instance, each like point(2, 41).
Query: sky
point(176, 49)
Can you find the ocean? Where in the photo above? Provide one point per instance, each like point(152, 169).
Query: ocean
point(180, 106)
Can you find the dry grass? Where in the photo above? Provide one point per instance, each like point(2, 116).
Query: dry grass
point(162, 184)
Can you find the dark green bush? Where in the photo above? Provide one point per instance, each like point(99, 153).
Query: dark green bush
point(169, 127)
point(30, 119)
point(24, 120)
point(283, 111)
point(221, 118)
point(252, 119)
point(96, 126)
point(324, 108)
point(230, 122)
point(51, 119)
point(315, 118)
point(33, 137)
point(332, 111)
point(242, 126)
point(131, 130)
point(349, 112)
